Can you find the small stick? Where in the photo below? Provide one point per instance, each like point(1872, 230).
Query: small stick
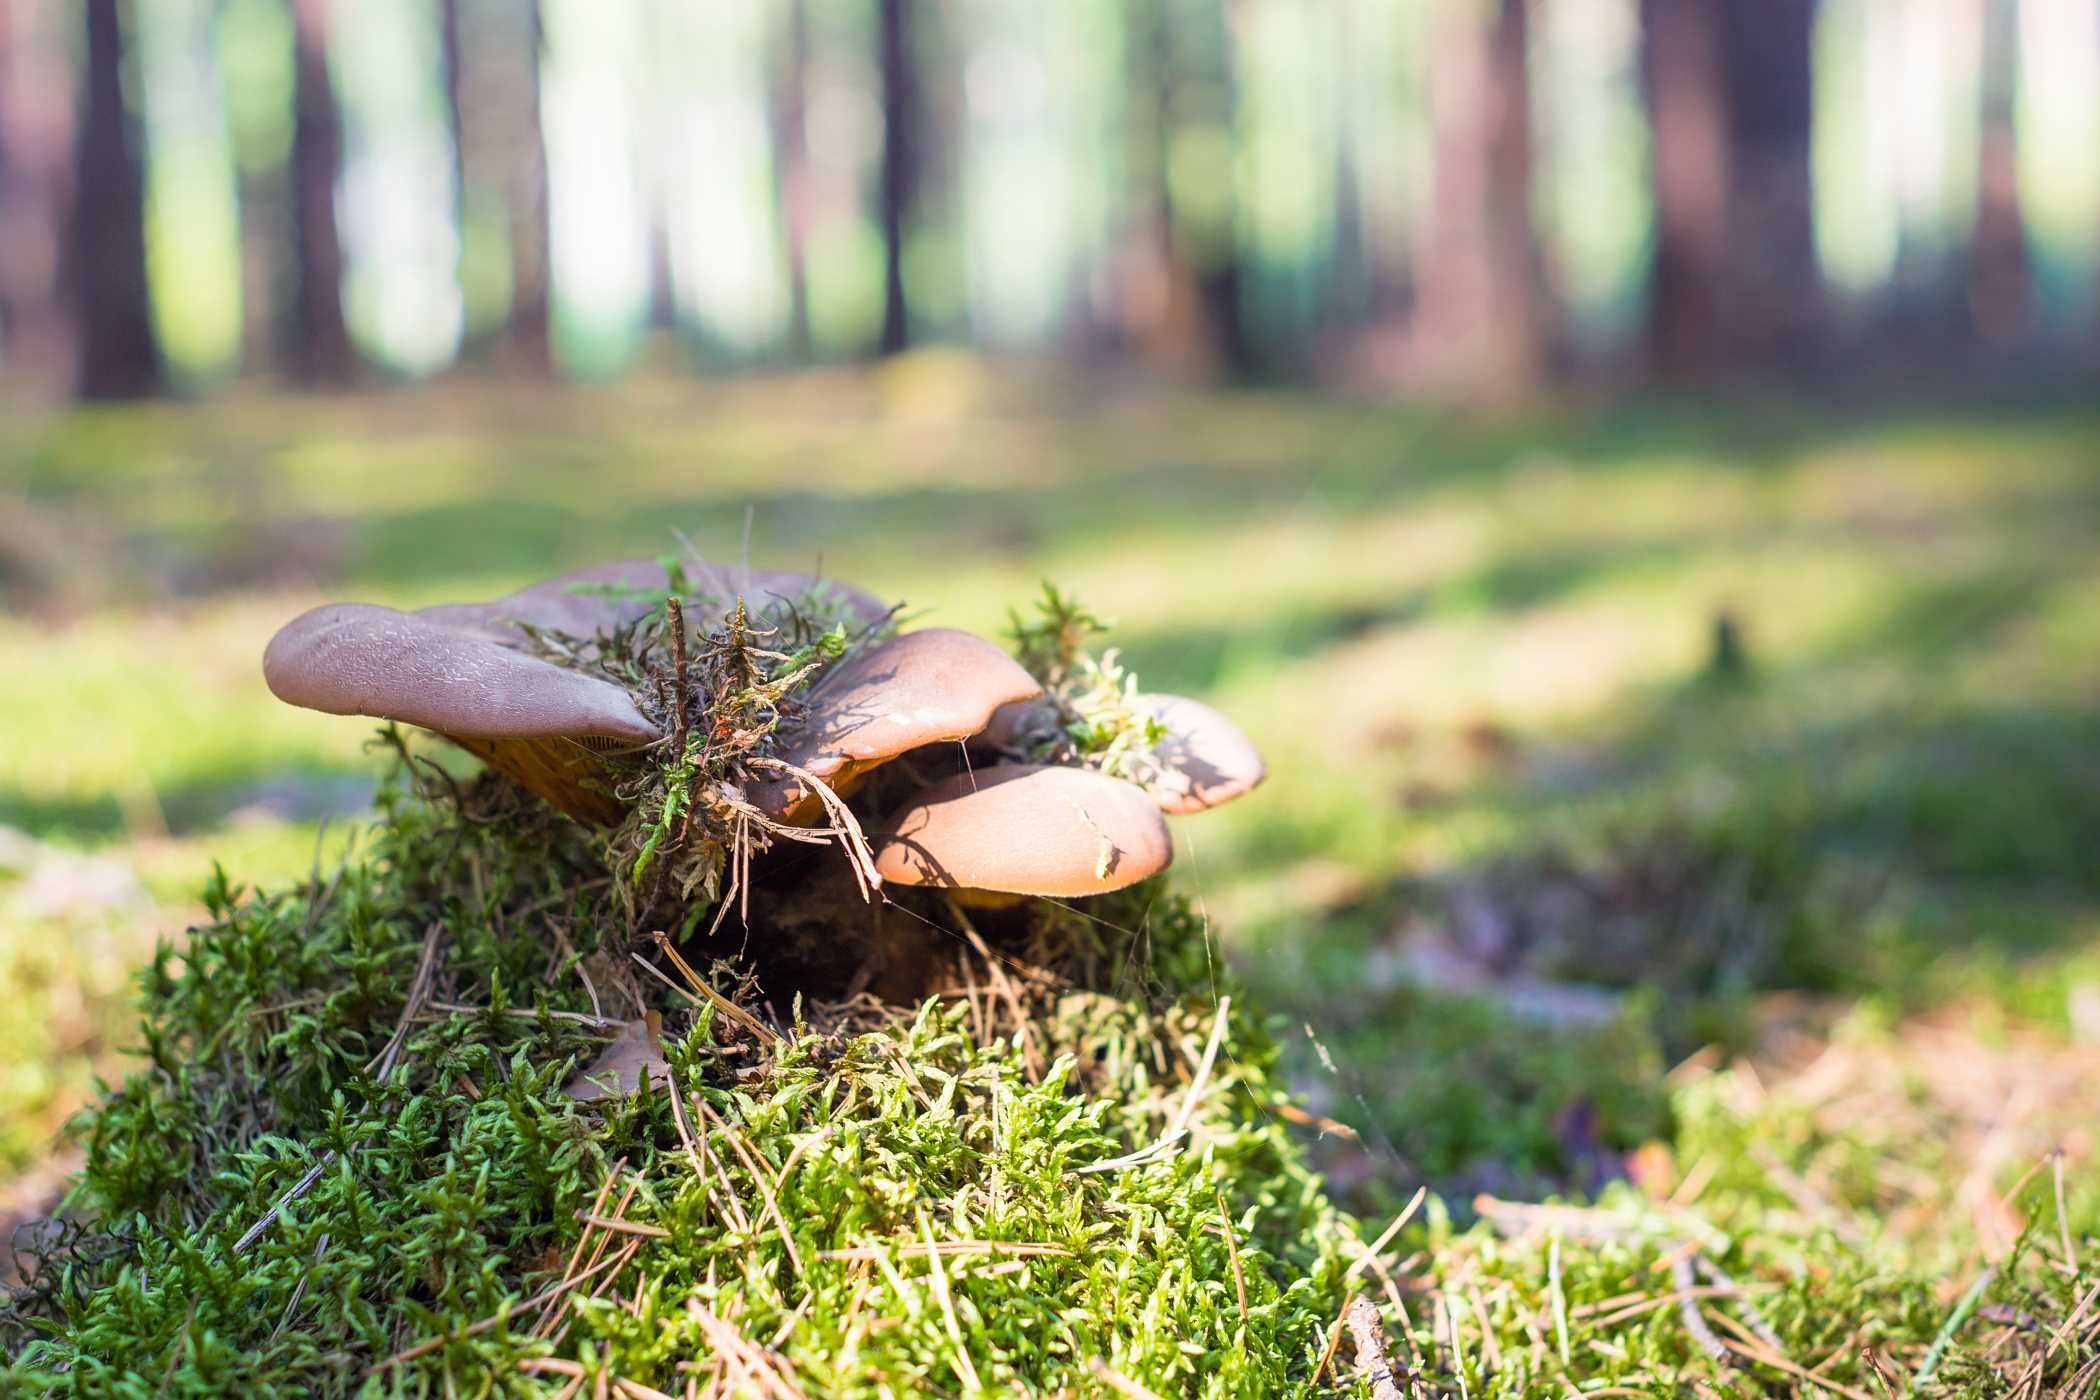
point(1367, 1331)
point(1688, 1312)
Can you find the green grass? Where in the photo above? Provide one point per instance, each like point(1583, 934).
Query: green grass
point(1478, 657)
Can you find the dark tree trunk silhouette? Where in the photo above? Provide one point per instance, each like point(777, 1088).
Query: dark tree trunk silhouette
point(491, 52)
point(1687, 117)
point(1181, 289)
point(796, 182)
point(320, 350)
point(118, 355)
point(531, 278)
point(1482, 323)
point(1735, 285)
point(900, 116)
point(1998, 288)
point(1773, 298)
point(36, 139)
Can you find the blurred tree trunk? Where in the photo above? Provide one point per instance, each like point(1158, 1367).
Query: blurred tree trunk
point(491, 51)
point(796, 182)
point(1735, 285)
point(1180, 283)
point(1687, 117)
point(1774, 284)
point(118, 355)
point(36, 138)
point(900, 140)
point(1482, 326)
point(1998, 289)
point(320, 351)
point(525, 196)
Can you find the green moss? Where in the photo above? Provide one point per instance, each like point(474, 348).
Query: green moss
point(447, 1177)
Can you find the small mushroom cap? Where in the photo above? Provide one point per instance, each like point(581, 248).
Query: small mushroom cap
point(1026, 829)
point(573, 603)
point(1205, 759)
point(360, 659)
point(925, 687)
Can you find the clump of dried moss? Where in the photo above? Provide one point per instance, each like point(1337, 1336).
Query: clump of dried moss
point(348, 1162)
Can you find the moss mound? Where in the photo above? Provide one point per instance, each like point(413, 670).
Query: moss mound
point(355, 1160)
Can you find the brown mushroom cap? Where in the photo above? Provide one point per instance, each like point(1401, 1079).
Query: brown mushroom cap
point(1026, 829)
point(517, 712)
point(1205, 759)
point(925, 687)
point(557, 605)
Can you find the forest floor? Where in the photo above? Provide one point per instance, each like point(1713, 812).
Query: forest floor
point(1686, 816)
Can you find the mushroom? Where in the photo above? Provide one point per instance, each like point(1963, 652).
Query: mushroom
point(528, 718)
point(927, 687)
point(1026, 829)
point(1204, 760)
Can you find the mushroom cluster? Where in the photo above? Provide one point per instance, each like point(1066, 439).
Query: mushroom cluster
point(981, 796)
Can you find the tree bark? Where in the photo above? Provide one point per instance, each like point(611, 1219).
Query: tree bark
point(1998, 286)
point(899, 167)
point(1681, 73)
point(1482, 328)
point(119, 357)
point(36, 140)
point(320, 351)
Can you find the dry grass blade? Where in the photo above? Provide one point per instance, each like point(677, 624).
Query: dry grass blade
point(758, 1179)
point(1385, 1236)
point(707, 993)
point(472, 1329)
point(623, 1227)
point(950, 1249)
point(844, 825)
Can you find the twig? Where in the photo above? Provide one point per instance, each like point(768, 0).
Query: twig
point(1367, 1332)
point(1688, 1312)
point(1334, 1340)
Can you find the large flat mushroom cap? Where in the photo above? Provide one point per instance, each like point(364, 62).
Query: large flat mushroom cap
point(361, 659)
point(925, 687)
point(1205, 759)
point(580, 604)
point(1026, 829)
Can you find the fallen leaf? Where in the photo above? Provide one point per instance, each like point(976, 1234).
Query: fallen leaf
point(618, 1070)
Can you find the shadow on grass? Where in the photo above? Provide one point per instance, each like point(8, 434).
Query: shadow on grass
point(272, 795)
